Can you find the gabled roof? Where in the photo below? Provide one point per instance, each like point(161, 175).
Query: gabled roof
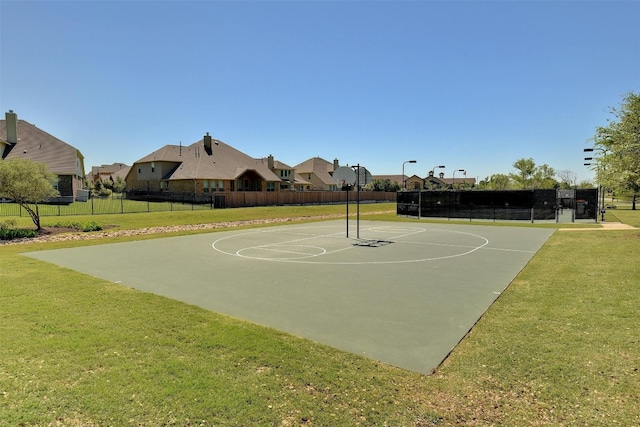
point(39, 146)
point(319, 167)
point(107, 169)
point(194, 162)
point(392, 178)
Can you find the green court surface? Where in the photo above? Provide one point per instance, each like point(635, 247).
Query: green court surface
point(403, 293)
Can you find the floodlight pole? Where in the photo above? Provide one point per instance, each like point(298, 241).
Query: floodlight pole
point(453, 181)
point(358, 203)
point(600, 186)
point(404, 179)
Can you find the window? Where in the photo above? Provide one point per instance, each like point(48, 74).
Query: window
point(205, 186)
point(271, 186)
point(153, 167)
point(220, 185)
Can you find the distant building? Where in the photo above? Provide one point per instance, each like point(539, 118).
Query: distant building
point(432, 182)
point(21, 139)
point(318, 172)
point(108, 172)
point(209, 166)
point(291, 179)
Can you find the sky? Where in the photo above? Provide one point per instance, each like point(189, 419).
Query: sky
point(471, 85)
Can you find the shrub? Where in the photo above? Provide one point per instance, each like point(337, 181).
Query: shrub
point(91, 226)
point(7, 224)
point(17, 233)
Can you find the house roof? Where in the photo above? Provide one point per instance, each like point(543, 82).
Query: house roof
point(318, 166)
point(195, 162)
point(39, 146)
point(392, 178)
point(107, 169)
point(458, 180)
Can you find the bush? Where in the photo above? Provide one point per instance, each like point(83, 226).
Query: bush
point(7, 224)
point(18, 233)
point(91, 226)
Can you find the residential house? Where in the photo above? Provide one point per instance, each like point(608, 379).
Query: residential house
point(460, 183)
point(205, 167)
point(108, 172)
point(399, 179)
point(291, 180)
point(438, 183)
point(414, 182)
point(318, 173)
point(21, 139)
point(433, 183)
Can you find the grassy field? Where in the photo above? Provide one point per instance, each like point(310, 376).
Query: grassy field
point(559, 347)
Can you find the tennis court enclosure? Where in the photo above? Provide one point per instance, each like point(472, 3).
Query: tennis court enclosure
point(560, 205)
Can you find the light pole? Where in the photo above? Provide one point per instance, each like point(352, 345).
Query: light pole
point(453, 181)
point(433, 171)
point(404, 180)
point(598, 174)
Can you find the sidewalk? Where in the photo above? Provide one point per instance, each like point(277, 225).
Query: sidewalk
point(603, 226)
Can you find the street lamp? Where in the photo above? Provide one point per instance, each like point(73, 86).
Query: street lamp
point(598, 174)
point(404, 179)
point(453, 181)
point(433, 171)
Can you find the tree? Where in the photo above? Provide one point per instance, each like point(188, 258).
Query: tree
point(526, 169)
point(543, 177)
point(531, 176)
point(378, 184)
point(567, 178)
point(27, 183)
point(120, 185)
point(618, 144)
point(496, 181)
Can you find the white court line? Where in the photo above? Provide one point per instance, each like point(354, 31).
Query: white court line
point(337, 234)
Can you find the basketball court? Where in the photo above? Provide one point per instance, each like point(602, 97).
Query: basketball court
point(401, 293)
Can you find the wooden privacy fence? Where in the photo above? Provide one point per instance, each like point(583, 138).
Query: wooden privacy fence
point(255, 198)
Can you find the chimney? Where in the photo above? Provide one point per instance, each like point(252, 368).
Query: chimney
point(270, 162)
point(207, 144)
point(336, 164)
point(12, 127)
point(441, 175)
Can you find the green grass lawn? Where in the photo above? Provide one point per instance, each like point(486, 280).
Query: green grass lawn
point(560, 347)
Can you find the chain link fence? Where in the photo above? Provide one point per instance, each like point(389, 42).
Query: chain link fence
point(523, 205)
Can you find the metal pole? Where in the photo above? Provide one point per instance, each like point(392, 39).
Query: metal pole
point(347, 211)
point(358, 205)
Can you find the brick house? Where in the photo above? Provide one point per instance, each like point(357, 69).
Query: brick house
point(21, 139)
point(319, 173)
point(108, 172)
point(208, 166)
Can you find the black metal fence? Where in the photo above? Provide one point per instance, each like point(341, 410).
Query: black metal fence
point(139, 202)
point(529, 205)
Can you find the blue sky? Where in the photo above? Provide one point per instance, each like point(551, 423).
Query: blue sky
point(472, 85)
